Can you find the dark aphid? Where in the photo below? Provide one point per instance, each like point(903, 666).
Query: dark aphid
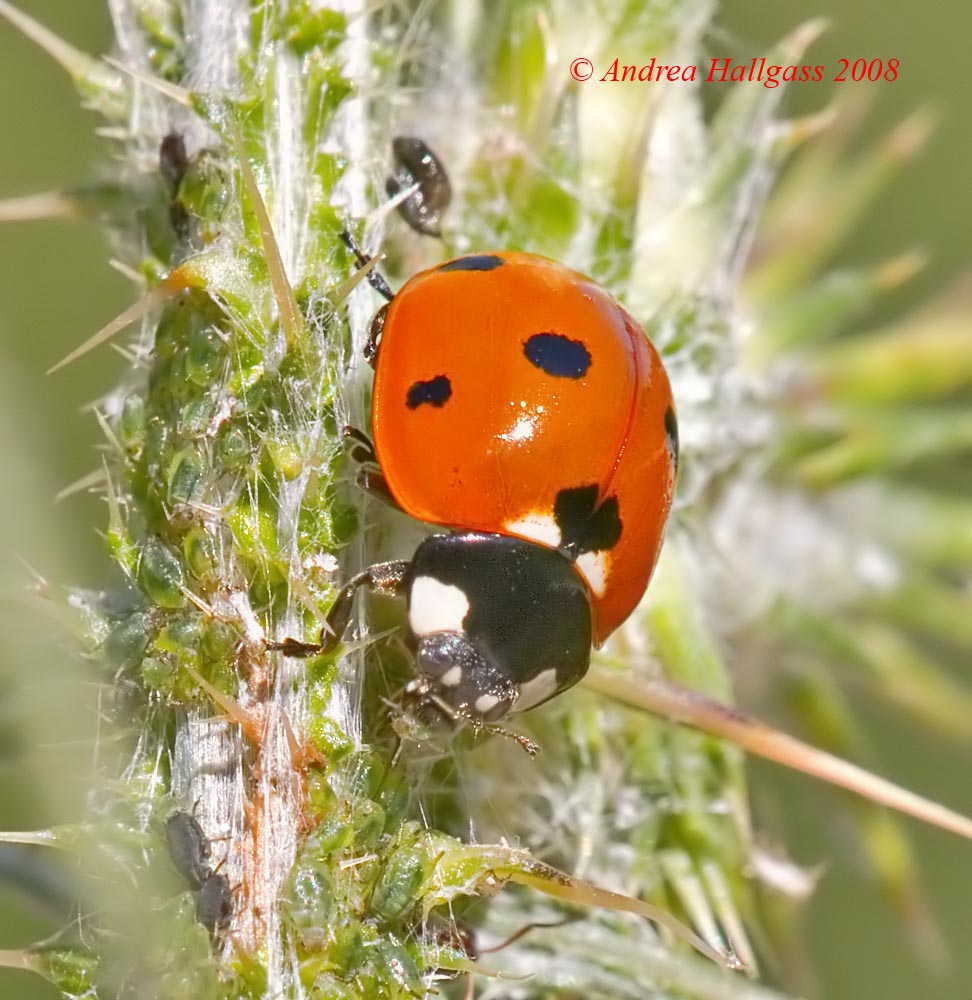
point(415, 164)
point(214, 904)
point(173, 159)
point(173, 164)
point(188, 848)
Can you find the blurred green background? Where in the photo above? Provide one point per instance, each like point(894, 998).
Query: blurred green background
point(56, 287)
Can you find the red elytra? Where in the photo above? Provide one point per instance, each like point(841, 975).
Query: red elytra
point(515, 396)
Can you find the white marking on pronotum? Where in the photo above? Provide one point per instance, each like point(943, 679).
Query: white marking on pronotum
point(452, 677)
point(538, 689)
point(595, 568)
point(485, 702)
point(537, 527)
point(434, 606)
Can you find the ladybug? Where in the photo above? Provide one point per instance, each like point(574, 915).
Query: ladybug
point(519, 406)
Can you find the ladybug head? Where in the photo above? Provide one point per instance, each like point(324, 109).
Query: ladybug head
point(460, 681)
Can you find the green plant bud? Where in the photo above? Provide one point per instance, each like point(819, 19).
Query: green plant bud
point(287, 457)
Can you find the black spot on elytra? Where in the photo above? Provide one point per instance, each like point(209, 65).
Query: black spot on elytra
point(604, 528)
point(584, 527)
point(558, 355)
point(474, 262)
point(671, 431)
point(572, 510)
point(435, 392)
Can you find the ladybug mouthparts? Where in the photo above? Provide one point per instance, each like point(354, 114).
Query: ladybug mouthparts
point(461, 681)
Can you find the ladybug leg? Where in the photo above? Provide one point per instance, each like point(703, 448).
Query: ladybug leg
point(374, 334)
point(370, 480)
point(530, 747)
point(373, 483)
point(363, 450)
point(385, 578)
point(381, 286)
point(294, 647)
point(376, 281)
